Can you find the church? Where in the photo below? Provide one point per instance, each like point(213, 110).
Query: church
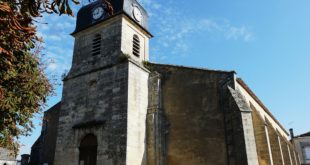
point(118, 108)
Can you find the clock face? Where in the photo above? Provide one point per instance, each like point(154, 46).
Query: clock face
point(98, 12)
point(137, 14)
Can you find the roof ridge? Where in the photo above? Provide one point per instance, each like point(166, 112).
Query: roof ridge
point(192, 67)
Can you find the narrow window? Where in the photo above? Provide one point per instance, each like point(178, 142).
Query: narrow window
point(136, 46)
point(96, 45)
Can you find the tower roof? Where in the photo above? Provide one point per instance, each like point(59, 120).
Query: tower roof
point(85, 17)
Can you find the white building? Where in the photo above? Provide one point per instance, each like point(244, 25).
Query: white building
point(6, 157)
point(302, 144)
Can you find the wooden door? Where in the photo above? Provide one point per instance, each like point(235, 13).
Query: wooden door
point(88, 150)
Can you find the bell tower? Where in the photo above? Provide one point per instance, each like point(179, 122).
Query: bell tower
point(105, 94)
point(106, 32)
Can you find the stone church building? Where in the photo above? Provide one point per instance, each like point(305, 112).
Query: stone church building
point(118, 108)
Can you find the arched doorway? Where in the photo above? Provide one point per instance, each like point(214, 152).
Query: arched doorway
point(88, 150)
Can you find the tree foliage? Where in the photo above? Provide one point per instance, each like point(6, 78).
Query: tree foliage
point(23, 84)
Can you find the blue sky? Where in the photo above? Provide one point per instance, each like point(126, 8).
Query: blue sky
point(266, 42)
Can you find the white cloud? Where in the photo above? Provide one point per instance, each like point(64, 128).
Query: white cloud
point(53, 37)
point(52, 66)
point(237, 33)
point(227, 30)
point(173, 33)
point(150, 3)
point(58, 61)
point(174, 30)
point(65, 25)
point(209, 25)
point(58, 44)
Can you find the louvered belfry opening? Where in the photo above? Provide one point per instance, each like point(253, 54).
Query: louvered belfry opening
point(136, 46)
point(96, 49)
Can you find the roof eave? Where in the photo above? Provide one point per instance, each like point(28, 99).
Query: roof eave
point(252, 94)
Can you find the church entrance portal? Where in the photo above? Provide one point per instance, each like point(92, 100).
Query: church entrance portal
point(88, 150)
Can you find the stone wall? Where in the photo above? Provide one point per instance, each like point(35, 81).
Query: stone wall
point(95, 103)
point(286, 155)
point(156, 125)
point(116, 41)
point(261, 139)
point(136, 114)
point(129, 29)
point(236, 153)
point(264, 112)
point(190, 101)
point(96, 93)
point(274, 144)
point(272, 147)
point(50, 123)
point(43, 150)
point(111, 34)
point(36, 151)
point(239, 130)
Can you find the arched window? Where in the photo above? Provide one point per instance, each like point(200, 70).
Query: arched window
point(307, 152)
point(96, 49)
point(136, 46)
point(88, 150)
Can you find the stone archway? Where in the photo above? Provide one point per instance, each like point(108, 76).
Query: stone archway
point(88, 150)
